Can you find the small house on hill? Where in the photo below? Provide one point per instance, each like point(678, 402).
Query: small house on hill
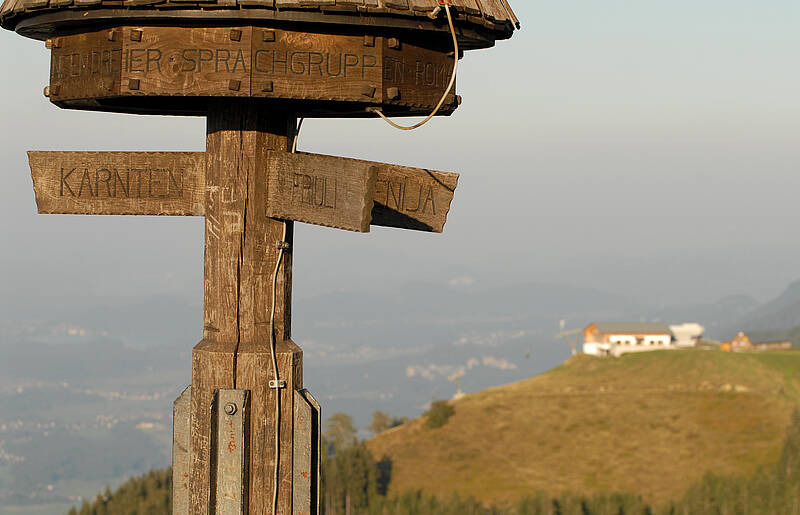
point(616, 339)
point(741, 343)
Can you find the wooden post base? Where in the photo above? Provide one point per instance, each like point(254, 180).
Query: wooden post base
point(253, 373)
point(213, 369)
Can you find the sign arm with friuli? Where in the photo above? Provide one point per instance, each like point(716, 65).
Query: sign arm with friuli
point(247, 430)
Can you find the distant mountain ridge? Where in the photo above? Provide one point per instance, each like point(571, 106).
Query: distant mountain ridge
point(783, 312)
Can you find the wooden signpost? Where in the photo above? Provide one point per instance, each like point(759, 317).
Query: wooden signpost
point(246, 432)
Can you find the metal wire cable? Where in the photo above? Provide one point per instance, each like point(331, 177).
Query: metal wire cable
point(378, 111)
point(273, 351)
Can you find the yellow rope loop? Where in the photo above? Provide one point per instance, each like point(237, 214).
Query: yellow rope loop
point(378, 111)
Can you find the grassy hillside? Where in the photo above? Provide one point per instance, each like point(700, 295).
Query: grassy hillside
point(649, 423)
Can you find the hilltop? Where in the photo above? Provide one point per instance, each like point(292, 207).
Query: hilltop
point(650, 424)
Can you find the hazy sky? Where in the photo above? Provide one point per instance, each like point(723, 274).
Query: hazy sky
point(636, 146)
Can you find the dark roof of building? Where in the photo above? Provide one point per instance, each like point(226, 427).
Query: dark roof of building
point(480, 22)
point(633, 327)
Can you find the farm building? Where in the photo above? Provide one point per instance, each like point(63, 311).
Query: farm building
point(742, 343)
point(616, 339)
point(686, 335)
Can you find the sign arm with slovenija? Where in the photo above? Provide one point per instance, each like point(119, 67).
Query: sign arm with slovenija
point(342, 193)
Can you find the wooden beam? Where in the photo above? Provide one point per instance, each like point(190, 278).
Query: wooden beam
point(240, 260)
point(119, 183)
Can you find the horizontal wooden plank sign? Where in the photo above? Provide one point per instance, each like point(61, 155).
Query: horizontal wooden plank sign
point(119, 183)
point(413, 198)
point(124, 65)
point(343, 193)
point(321, 190)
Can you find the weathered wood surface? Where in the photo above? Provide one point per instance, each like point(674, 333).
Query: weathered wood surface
point(229, 452)
point(299, 65)
point(180, 452)
point(479, 22)
point(85, 65)
point(253, 373)
point(307, 447)
point(413, 198)
point(240, 259)
point(119, 183)
point(321, 190)
point(180, 61)
point(213, 367)
point(143, 61)
point(415, 76)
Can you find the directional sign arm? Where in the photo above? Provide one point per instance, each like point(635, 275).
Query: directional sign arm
point(321, 190)
point(413, 198)
point(119, 183)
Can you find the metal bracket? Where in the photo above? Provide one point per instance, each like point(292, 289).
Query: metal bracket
point(277, 385)
point(229, 452)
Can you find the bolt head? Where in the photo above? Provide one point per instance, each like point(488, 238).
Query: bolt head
point(230, 408)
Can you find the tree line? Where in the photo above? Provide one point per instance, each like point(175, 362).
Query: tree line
point(354, 482)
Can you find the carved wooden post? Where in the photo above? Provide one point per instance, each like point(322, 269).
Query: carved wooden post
point(240, 259)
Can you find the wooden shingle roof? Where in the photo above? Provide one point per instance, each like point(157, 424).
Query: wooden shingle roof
point(480, 22)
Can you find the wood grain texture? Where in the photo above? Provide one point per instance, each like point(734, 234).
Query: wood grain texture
point(311, 188)
point(241, 254)
point(213, 366)
point(300, 65)
point(376, 8)
point(119, 183)
point(413, 198)
point(253, 373)
point(419, 76)
point(321, 190)
point(85, 65)
point(349, 72)
point(182, 61)
point(40, 19)
point(307, 449)
point(181, 432)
